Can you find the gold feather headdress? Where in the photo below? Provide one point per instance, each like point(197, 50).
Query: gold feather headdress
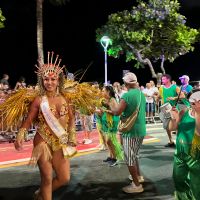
point(49, 69)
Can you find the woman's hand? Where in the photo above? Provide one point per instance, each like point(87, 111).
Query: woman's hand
point(99, 111)
point(18, 144)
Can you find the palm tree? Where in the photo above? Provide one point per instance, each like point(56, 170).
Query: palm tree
point(39, 17)
point(2, 19)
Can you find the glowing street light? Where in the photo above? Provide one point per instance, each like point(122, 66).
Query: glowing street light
point(105, 41)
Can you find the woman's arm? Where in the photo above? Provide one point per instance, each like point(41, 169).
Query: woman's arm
point(32, 114)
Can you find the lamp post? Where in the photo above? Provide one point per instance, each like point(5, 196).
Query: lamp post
point(105, 41)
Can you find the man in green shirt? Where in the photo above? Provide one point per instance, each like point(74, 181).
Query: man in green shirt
point(133, 137)
point(169, 93)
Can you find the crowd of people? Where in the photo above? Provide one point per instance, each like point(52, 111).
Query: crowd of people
point(121, 118)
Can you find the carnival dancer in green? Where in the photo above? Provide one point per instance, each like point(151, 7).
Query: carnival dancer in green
point(109, 126)
point(187, 155)
point(169, 94)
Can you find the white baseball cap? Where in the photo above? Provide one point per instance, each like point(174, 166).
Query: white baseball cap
point(130, 78)
point(194, 97)
point(185, 77)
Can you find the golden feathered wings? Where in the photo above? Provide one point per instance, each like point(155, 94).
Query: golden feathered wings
point(84, 96)
point(15, 108)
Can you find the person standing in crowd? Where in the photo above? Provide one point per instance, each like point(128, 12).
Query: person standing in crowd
point(118, 90)
point(4, 82)
point(153, 86)
point(150, 106)
point(132, 137)
point(186, 168)
point(20, 83)
point(52, 146)
point(87, 123)
point(186, 89)
point(156, 95)
point(169, 93)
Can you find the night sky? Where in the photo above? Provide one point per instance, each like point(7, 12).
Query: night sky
point(70, 31)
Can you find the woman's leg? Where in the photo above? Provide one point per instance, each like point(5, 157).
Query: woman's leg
point(194, 166)
point(45, 167)
point(111, 148)
point(180, 177)
point(61, 166)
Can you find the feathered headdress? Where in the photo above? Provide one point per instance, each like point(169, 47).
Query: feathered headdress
point(49, 69)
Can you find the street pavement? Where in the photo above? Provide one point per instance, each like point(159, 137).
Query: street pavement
point(91, 179)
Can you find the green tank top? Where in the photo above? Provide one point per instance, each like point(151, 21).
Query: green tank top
point(185, 135)
point(133, 98)
point(168, 92)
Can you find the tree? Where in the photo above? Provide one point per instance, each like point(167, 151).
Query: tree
point(2, 19)
point(149, 32)
point(39, 17)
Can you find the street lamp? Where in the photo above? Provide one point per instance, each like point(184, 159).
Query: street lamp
point(105, 41)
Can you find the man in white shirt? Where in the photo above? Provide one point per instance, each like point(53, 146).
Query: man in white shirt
point(150, 106)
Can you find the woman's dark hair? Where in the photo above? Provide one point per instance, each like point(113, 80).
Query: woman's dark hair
point(110, 90)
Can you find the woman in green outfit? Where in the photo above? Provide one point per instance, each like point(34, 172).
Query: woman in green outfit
point(109, 126)
point(186, 168)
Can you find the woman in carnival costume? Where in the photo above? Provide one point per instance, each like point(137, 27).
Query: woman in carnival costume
point(52, 109)
point(109, 126)
point(186, 168)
